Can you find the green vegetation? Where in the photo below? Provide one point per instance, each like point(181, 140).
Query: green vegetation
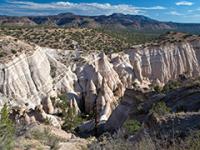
point(187, 35)
point(13, 51)
point(175, 84)
point(99, 39)
point(71, 119)
point(193, 141)
point(2, 54)
point(7, 130)
point(119, 142)
point(114, 142)
point(47, 121)
point(160, 109)
point(132, 126)
point(157, 89)
point(171, 85)
point(67, 38)
point(63, 104)
point(131, 36)
point(47, 138)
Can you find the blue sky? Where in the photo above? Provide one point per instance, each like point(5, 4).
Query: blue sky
point(164, 10)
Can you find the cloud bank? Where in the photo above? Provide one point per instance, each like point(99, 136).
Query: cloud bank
point(184, 3)
point(33, 8)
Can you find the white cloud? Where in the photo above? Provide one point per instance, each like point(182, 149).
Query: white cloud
point(85, 8)
point(152, 8)
point(77, 8)
point(175, 13)
point(184, 3)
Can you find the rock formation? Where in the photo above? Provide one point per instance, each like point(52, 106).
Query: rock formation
point(35, 74)
point(165, 62)
point(44, 116)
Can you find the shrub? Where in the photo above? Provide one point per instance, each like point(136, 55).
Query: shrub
point(71, 119)
point(132, 126)
point(186, 36)
point(53, 71)
point(146, 143)
point(135, 84)
point(13, 51)
point(7, 130)
point(47, 121)
point(111, 142)
point(62, 104)
point(2, 54)
point(47, 138)
point(171, 85)
point(160, 109)
point(193, 141)
point(157, 89)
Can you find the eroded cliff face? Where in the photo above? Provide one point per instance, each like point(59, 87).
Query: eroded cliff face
point(162, 63)
point(26, 78)
point(96, 79)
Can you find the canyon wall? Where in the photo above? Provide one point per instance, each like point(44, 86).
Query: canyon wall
point(98, 80)
point(165, 62)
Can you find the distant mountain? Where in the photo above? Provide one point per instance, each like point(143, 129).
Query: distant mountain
point(8, 20)
point(119, 21)
point(113, 21)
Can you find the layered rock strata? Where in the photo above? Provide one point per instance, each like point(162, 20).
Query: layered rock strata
point(95, 80)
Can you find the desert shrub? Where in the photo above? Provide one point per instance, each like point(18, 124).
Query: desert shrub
point(146, 143)
point(2, 54)
point(131, 126)
point(157, 88)
point(118, 142)
point(7, 130)
point(135, 84)
point(13, 51)
point(47, 138)
point(71, 119)
point(171, 85)
point(114, 142)
point(63, 103)
point(193, 83)
point(53, 71)
point(193, 141)
point(186, 36)
point(160, 109)
point(47, 121)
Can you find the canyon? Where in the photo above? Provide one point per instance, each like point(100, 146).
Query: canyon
point(112, 81)
point(36, 74)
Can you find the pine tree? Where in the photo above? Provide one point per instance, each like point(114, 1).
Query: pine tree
point(6, 130)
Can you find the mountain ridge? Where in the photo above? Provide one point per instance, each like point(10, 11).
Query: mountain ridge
point(116, 20)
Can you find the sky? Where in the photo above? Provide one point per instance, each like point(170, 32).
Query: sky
point(187, 11)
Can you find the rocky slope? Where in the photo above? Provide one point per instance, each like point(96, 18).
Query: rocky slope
point(47, 137)
point(34, 74)
point(20, 21)
point(154, 120)
point(137, 104)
